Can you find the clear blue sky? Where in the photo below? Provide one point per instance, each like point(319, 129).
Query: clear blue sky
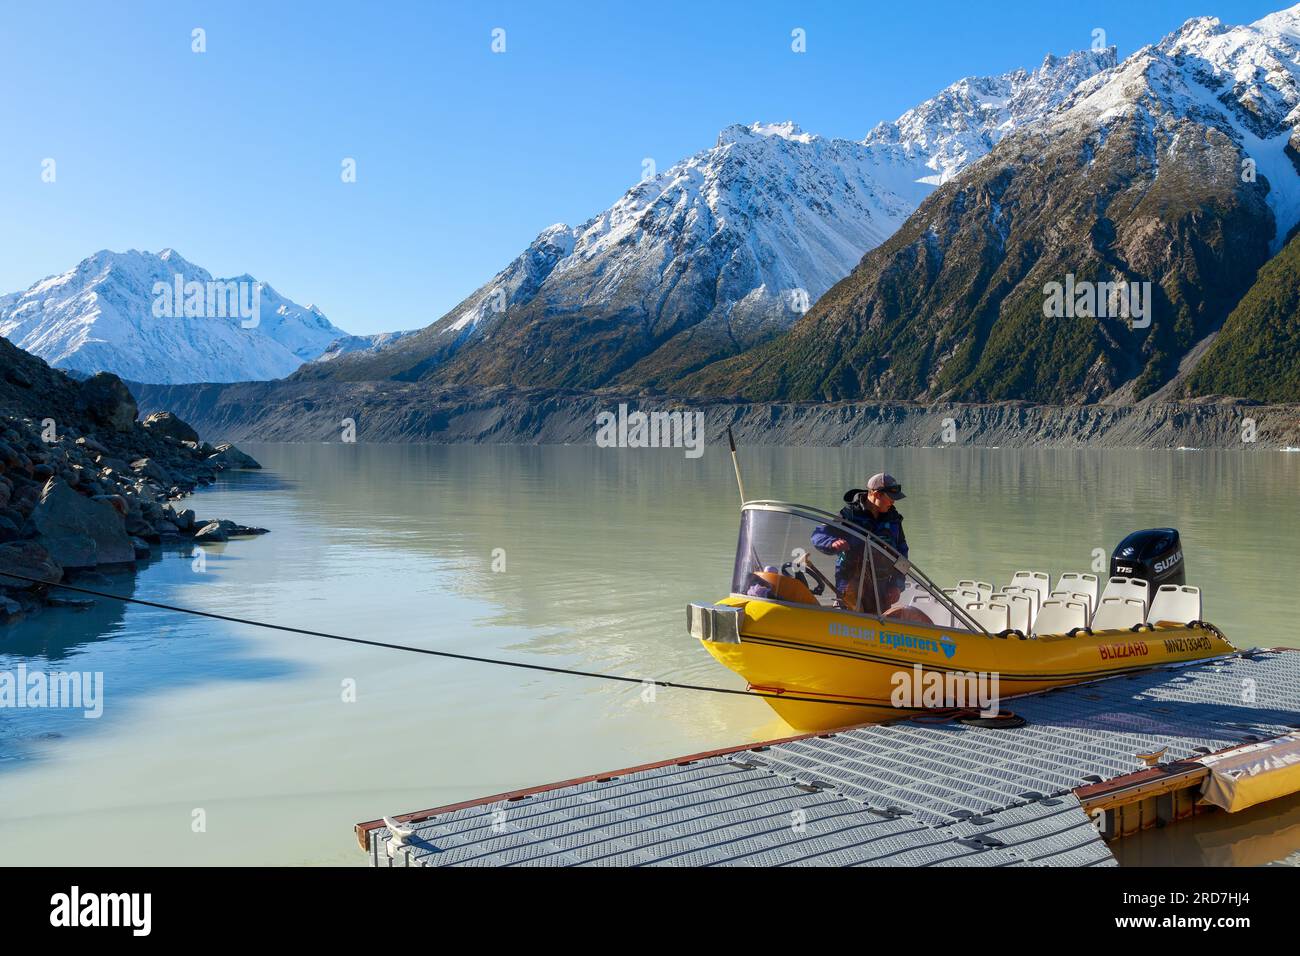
point(233, 156)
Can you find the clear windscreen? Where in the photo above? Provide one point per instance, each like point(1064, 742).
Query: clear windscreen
point(790, 557)
point(800, 559)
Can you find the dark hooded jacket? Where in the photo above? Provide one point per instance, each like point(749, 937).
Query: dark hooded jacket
point(888, 527)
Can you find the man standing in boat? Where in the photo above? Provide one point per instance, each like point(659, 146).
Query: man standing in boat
point(871, 509)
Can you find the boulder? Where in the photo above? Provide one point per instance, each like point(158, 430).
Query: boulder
point(109, 402)
point(9, 455)
point(231, 457)
point(233, 530)
point(183, 519)
point(117, 502)
point(79, 532)
point(10, 609)
point(212, 531)
point(169, 426)
point(25, 497)
point(31, 559)
point(90, 579)
point(148, 468)
point(116, 464)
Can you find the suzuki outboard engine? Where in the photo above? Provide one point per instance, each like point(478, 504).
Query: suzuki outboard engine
point(1154, 555)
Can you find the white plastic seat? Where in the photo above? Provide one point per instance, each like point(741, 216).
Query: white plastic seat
point(1035, 597)
point(1021, 611)
point(1072, 597)
point(1175, 602)
point(936, 612)
point(1080, 583)
point(1061, 617)
point(1118, 613)
point(983, 587)
point(911, 591)
point(994, 618)
point(1133, 589)
point(963, 597)
point(1040, 581)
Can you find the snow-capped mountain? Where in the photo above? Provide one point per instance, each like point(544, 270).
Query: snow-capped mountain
point(1243, 81)
point(1175, 174)
point(948, 132)
point(360, 343)
point(158, 318)
point(718, 252)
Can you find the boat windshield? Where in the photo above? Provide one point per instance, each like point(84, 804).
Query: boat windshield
point(804, 556)
point(797, 558)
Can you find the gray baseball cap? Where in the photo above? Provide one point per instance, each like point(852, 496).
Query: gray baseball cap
point(886, 483)
point(882, 482)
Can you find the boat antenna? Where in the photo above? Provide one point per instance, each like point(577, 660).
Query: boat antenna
point(735, 463)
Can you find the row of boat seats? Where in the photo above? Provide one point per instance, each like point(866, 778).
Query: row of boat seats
point(1074, 602)
point(1180, 603)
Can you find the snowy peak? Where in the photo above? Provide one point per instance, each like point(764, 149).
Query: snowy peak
point(159, 318)
point(1243, 81)
point(768, 210)
point(1283, 22)
point(738, 132)
point(1243, 78)
point(349, 344)
point(719, 251)
point(948, 132)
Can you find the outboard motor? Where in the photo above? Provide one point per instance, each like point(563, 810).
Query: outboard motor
point(1154, 555)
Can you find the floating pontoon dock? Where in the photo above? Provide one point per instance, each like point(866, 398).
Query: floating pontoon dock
point(1094, 762)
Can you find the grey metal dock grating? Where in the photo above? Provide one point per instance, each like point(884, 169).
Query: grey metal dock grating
point(900, 794)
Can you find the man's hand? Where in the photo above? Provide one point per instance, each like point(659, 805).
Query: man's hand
point(839, 544)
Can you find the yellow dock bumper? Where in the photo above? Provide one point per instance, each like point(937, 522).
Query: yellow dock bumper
point(1253, 774)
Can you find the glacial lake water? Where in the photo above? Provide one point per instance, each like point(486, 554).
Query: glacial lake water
point(226, 744)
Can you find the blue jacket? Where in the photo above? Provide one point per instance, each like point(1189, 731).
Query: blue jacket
point(848, 564)
point(888, 527)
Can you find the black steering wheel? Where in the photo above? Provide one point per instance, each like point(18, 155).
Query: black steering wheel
point(799, 576)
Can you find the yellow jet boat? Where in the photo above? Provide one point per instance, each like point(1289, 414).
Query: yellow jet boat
point(805, 628)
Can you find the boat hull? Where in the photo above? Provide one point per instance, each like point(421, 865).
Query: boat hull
point(806, 661)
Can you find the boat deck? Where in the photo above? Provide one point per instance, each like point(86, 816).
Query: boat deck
point(905, 793)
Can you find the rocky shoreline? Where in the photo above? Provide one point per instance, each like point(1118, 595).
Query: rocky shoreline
point(85, 486)
point(412, 412)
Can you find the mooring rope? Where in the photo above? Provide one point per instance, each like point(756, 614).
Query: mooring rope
point(622, 678)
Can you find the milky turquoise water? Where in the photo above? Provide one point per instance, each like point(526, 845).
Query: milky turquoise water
point(221, 743)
